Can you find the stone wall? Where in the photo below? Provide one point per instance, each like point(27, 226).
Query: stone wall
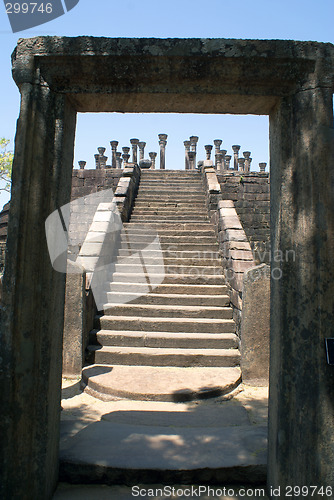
point(250, 193)
point(86, 182)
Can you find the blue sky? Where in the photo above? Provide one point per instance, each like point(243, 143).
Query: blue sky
point(281, 19)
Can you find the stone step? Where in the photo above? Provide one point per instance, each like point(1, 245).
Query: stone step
point(208, 240)
point(152, 259)
point(173, 198)
point(177, 185)
point(168, 219)
point(168, 288)
point(154, 383)
point(186, 279)
point(181, 191)
point(164, 339)
point(170, 226)
point(150, 356)
point(166, 324)
point(166, 269)
point(176, 246)
point(195, 205)
point(192, 214)
point(170, 311)
point(174, 254)
point(161, 231)
point(168, 299)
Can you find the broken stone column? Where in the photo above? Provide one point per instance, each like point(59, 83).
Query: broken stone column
point(228, 161)
point(193, 146)
point(162, 144)
point(153, 156)
point(113, 145)
point(187, 149)
point(208, 149)
point(236, 149)
point(192, 158)
point(217, 143)
point(262, 166)
point(241, 164)
point(82, 164)
point(248, 160)
point(141, 146)
point(134, 144)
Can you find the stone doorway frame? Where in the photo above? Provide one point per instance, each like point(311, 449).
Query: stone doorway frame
point(293, 83)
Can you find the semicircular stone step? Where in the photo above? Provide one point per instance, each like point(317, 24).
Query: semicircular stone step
point(147, 383)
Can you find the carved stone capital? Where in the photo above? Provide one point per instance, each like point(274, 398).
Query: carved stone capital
point(126, 150)
point(163, 137)
point(113, 144)
point(101, 151)
point(208, 149)
point(82, 164)
point(217, 143)
point(262, 166)
point(134, 142)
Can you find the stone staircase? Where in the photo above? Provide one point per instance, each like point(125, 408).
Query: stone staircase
point(167, 333)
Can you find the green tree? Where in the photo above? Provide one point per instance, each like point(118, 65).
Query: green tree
point(6, 160)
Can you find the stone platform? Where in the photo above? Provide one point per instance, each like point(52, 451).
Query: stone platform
point(218, 441)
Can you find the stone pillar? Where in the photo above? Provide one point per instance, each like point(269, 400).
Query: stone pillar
point(126, 158)
point(113, 145)
point(193, 147)
point(186, 158)
point(103, 159)
point(162, 143)
point(241, 164)
point(82, 164)
point(217, 143)
point(219, 160)
point(192, 157)
point(223, 152)
point(134, 144)
point(118, 159)
point(32, 314)
point(301, 416)
point(153, 156)
point(228, 161)
point(263, 167)
point(236, 149)
point(208, 149)
point(97, 161)
point(141, 146)
point(247, 160)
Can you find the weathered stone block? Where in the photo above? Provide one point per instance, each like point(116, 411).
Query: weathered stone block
point(74, 321)
point(255, 326)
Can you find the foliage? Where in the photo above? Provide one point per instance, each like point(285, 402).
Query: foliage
point(6, 160)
